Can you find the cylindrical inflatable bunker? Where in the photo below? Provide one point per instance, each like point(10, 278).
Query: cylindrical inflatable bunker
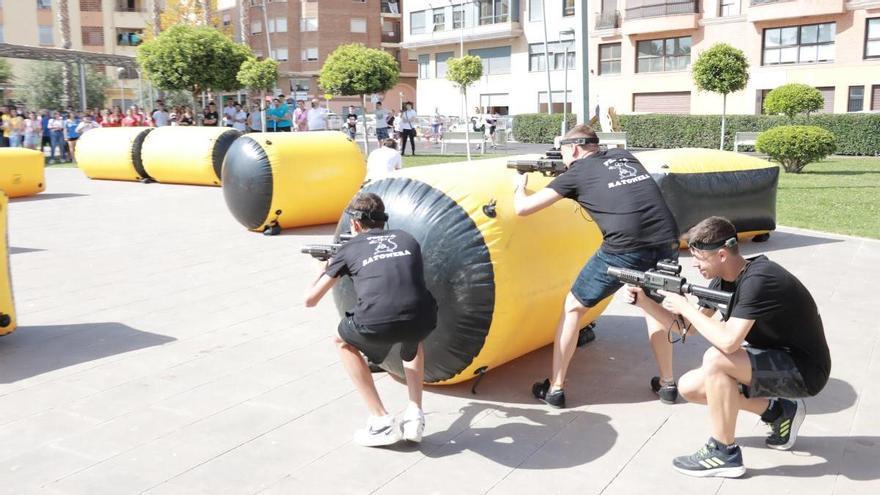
point(22, 173)
point(499, 279)
point(112, 153)
point(699, 183)
point(291, 179)
point(187, 155)
point(7, 303)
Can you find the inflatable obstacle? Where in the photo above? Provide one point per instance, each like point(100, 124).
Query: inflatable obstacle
point(283, 180)
point(7, 303)
point(187, 155)
point(699, 183)
point(499, 279)
point(22, 173)
point(112, 153)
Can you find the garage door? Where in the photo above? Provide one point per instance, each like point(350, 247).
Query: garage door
point(875, 97)
point(677, 102)
point(828, 94)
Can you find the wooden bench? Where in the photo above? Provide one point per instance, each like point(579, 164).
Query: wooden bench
point(744, 139)
point(612, 138)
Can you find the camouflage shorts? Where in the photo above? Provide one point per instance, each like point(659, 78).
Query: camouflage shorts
point(774, 374)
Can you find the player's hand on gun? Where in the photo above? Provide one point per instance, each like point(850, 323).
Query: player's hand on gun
point(674, 303)
point(520, 181)
point(633, 294)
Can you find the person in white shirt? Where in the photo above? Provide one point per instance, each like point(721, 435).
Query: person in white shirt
point(239, 120)
point(384, 160)
point(381, 123)
point(229, 112)
point(254, 122)
point(86, 125)
point(317, 116)
point(160, 116)
point(408, 127)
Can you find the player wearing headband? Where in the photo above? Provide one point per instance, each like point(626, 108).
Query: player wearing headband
point(638, 231)
point(767, 352)
point(393, 308)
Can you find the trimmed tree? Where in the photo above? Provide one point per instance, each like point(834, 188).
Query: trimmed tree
point(792, 99)
point(259, 75)
point(464, 71)
point(357, 70)
point(721, 69)
point(194, 59)
point(796, 146)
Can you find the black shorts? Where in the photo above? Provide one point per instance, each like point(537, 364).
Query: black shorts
point(376, 341)
point(774, 374)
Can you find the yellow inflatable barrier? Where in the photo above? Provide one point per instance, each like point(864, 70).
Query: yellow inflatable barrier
point(7, 303)
point(291, 179)
point(112, 153)
point(22, 172)
point(499, 279)
point(699, 183)
point(187, 155)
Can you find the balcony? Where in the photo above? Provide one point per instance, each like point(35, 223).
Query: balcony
point(391, 8)
point(772, 10)
point(131, 6)
point(483, 32)
point(390, 37)
point(608, 20)
point(669, 15)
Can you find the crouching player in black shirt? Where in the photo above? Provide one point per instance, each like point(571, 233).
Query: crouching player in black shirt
point(768, 351)
point(393, 307)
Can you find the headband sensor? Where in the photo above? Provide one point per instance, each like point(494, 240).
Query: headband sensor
point(375, 216)
point(712, 246)
point(579, 141)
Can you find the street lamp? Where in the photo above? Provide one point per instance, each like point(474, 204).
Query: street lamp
point(565, 36)
point(121, 72)
point(547, 59)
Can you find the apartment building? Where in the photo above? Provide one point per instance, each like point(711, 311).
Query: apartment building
point(100, 26)
point(640, 51)
point(300, 34)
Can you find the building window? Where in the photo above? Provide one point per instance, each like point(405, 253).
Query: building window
point(494, 11)
point(728, 8)
point(92, 36)
point(310, 54)
point(46, 37)
point(308, 24)
point(423, 66)
point(609, 59)
point(567, 8)
point(673, 102)
point(495, 60)
point(536, 10)
point(44, 4)
point(872, 38)
point(441, 63)
point(278, 25)
point(227, 20)
point(560, 101)
point(439, 19)
point(856, 101)
point(129, 37)
point(557, 55)
point(875, 97)
point(828, 97)
point(256, 27)
point(457, 16)
point(664, 55)
point(417, 22)
point(358, 25)
point(808, 44)
point(279, 54)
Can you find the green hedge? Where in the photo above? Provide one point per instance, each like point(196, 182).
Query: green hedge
point(856, 133)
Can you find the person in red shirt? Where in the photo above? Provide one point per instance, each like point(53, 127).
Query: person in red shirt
point(130, 119)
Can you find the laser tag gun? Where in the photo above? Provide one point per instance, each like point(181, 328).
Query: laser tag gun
point(324, 252)
point(667, 276)
point(549, 165)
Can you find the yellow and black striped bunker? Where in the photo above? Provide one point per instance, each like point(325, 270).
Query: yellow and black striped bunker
point(499, 279)
point(699, 183)
point(112, 153)
point(7, 302)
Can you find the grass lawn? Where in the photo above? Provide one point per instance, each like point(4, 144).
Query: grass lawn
point(419, 160)
point(839, 195)
point(61, 165)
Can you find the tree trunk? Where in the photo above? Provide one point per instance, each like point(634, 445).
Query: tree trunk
point(64, 23)
point(723, 115)
point(467, 124)
point(366, 140)
point(157, 18)
point(207, 12)
point(263, 109)
point(243, 24)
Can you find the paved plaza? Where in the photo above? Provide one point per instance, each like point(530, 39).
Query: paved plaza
point(162, 348)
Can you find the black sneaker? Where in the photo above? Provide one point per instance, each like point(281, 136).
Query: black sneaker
point(555, 398)
point(711, 460)
point(785, 429)
point(667, 393)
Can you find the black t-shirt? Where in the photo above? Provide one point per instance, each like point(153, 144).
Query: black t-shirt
point(210, 116)
point(785, 317)
point(389, 280)
point(621, 197)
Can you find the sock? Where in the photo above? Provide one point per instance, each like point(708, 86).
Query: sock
point(728, 449)
point(667, 381)
point(774, 410)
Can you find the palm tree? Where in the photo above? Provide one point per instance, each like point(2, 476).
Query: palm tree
point(243, 12)
point(207, 11)
point(157, 18)
point(64, 22)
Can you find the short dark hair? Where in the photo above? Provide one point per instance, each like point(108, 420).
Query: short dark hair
point(372, 209)
point(713, 231)
point(585, 131)
point(390, 143)
point(378, 103)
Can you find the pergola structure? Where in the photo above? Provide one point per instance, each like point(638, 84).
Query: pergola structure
point(81, 58)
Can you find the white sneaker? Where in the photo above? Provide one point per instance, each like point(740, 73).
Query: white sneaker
point(379, 432)
point(413, 424)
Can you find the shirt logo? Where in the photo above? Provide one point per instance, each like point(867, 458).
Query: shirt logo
point(627, 174)
point(385, 248)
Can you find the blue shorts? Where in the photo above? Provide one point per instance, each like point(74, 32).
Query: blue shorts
point(381, 133)
point(594, 284)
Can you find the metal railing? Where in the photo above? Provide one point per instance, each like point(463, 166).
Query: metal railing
point(390, 7)
point(659, 9)
point(130, 6)
point(765, 2)
point(608, 20)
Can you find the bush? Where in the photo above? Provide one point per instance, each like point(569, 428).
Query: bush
point(795, 146)
point(539, 127)
point(856, 133)
point(792, 99)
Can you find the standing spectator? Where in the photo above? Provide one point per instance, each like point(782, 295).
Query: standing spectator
point(351, 120)
point(300, 116)
point(211, 116)
point(88, 123)
point(229, 112)
point(255, 119)
point(45, 140)
point(16, 128)
point(160, 116)
point(280, 113)
point(186, 117)
point(317, 116)
point(31, 131)
point(491, 124)
point(139, 116)
point(384, 160)
point(4, 124)
point(408, 127)
point(56, 138)
point(239, 120)
point(131, 118)
point(436, 125)
point(174, 116)
point(381, 124)
point(71, 123)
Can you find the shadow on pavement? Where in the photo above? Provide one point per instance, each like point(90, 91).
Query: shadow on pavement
point(856, 458)
point(43, 196)
point(21, 250)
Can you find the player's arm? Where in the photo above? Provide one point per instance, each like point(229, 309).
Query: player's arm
point(727, 336)
point(319, 287)
point(526, 204)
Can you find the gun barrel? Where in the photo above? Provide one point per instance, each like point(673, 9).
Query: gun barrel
point(625, 275)
point(716, 296)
